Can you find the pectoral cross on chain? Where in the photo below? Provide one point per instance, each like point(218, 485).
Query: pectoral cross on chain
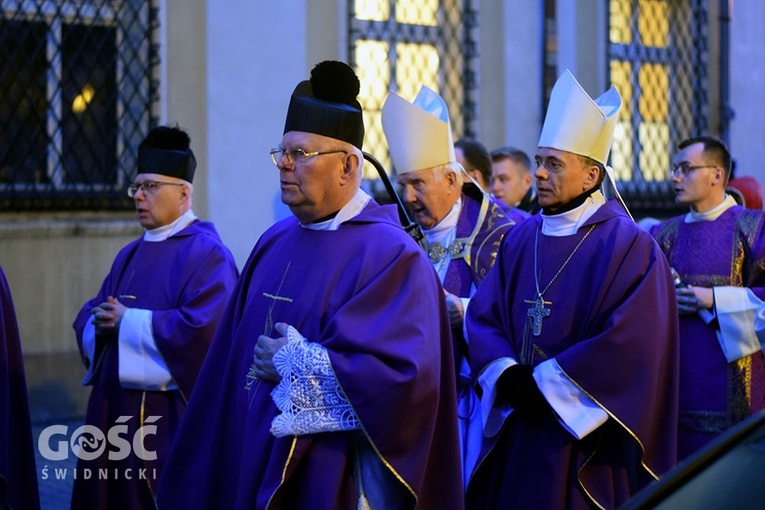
point(538, 312)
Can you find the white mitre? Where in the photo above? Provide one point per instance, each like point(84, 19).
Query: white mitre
point(419, 134)
point(578, 124)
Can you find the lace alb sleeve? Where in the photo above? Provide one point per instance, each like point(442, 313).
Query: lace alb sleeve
point(308, 396)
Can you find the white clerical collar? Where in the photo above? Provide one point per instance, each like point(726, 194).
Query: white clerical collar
point(713, 214)
point(350, 210)
point(161, 233)
point(446, 225)
point(567, 223)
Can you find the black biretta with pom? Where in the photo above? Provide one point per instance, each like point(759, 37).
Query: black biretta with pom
point(327, 105)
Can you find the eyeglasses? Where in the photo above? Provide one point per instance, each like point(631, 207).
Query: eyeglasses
point(296, 155)
point(685, 168)
point(149, 187)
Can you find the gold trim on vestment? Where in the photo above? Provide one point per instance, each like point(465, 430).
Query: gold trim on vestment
point(284, 470)
point(737, 261)
point(141, 417)
point(737, 403)
point(372, 443)
point(579, 480)
point(374, 447)
point(617, 420)
point(495, 243)
point(468, 241)
point(740, 389)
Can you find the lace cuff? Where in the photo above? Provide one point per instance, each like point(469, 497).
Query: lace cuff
point(308, 395)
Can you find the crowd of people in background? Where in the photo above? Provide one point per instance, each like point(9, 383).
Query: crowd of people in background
point(537, 348)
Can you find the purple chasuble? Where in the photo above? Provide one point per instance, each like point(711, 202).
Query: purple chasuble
point(612, 328)
point(369, 295)
point(729, 251)
point(186, 281)
point(18, 478)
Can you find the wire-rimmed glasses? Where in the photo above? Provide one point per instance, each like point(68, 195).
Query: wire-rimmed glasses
point(149, 187)
point(296, 155)
point(684, 168)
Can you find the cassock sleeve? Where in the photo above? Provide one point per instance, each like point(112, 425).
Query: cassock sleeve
point(89, 343)
point(141, 366)
point(577, 412)
point(88, 350)
point(493, 416)
point(736, 309)
point(390, 348)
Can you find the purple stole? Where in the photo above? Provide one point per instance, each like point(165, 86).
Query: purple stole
point(481, 226)
point(458, 279)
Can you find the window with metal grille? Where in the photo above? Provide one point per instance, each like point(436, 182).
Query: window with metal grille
point(658, 53)
point(550, 51)
point(402, 44)
point(77, 92)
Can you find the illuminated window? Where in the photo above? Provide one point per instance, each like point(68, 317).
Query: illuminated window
point(418, 64)
point(374, 75)
point(654, 124)
point(417, 12)
point(620, 15)
point(402, 44)
point(621, 159)
point(371, 10)
point(653, 23)
point(660, 76)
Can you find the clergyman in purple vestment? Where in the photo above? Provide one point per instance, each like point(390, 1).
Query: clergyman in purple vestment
point(144, 336)
point(463, 226)
point(330, 383)
point(718, 253)
point(18, 479)
point(573, 335)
